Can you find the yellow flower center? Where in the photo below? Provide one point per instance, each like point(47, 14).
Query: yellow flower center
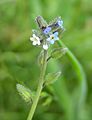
point(52, 37)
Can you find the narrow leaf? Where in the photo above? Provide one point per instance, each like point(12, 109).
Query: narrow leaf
point(47, 98)
point(44, 95)
point(47, 101)
point(52, 77)
point(25, 93)
point(58, 52)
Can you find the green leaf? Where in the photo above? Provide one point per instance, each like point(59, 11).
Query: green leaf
point(47, 98)
point(47, 101)
point(25, 93)
point(52, 77)
point(44, 94)
point(58, 52)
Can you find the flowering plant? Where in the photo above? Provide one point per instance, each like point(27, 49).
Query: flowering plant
point(44, 37)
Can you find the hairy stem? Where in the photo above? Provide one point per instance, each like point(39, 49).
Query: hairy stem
point(40, 86)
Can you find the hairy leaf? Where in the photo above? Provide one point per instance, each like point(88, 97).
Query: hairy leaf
point(58, 52)
point(52, 77)
point(25, 93)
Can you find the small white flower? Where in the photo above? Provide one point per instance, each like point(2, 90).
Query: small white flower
point(35, 40)
point(45, 47)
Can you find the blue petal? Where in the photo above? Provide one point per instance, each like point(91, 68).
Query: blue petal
point(51, 41)
point(56, 38)
point(47, 30)
point(60, 23)
point(48, 39)
point(55, 34)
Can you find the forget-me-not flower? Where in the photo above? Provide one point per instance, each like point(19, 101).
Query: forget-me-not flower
point(47, 30)
point(35, 40)
point(48, 33)
point(53, 37)
point(60, 23)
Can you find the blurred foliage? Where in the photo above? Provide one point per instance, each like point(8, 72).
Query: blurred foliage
point(18, 58)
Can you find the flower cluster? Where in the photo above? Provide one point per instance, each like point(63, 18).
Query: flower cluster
point(47, 34)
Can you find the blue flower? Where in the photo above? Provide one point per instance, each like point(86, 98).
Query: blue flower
point(60, 23)
point(53, 37)
point(47, 30)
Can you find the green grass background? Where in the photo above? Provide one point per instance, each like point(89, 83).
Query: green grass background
point(18, 58)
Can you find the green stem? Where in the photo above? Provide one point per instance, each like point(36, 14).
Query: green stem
point(40, 86)
point(79, 71)
point(82, 89)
